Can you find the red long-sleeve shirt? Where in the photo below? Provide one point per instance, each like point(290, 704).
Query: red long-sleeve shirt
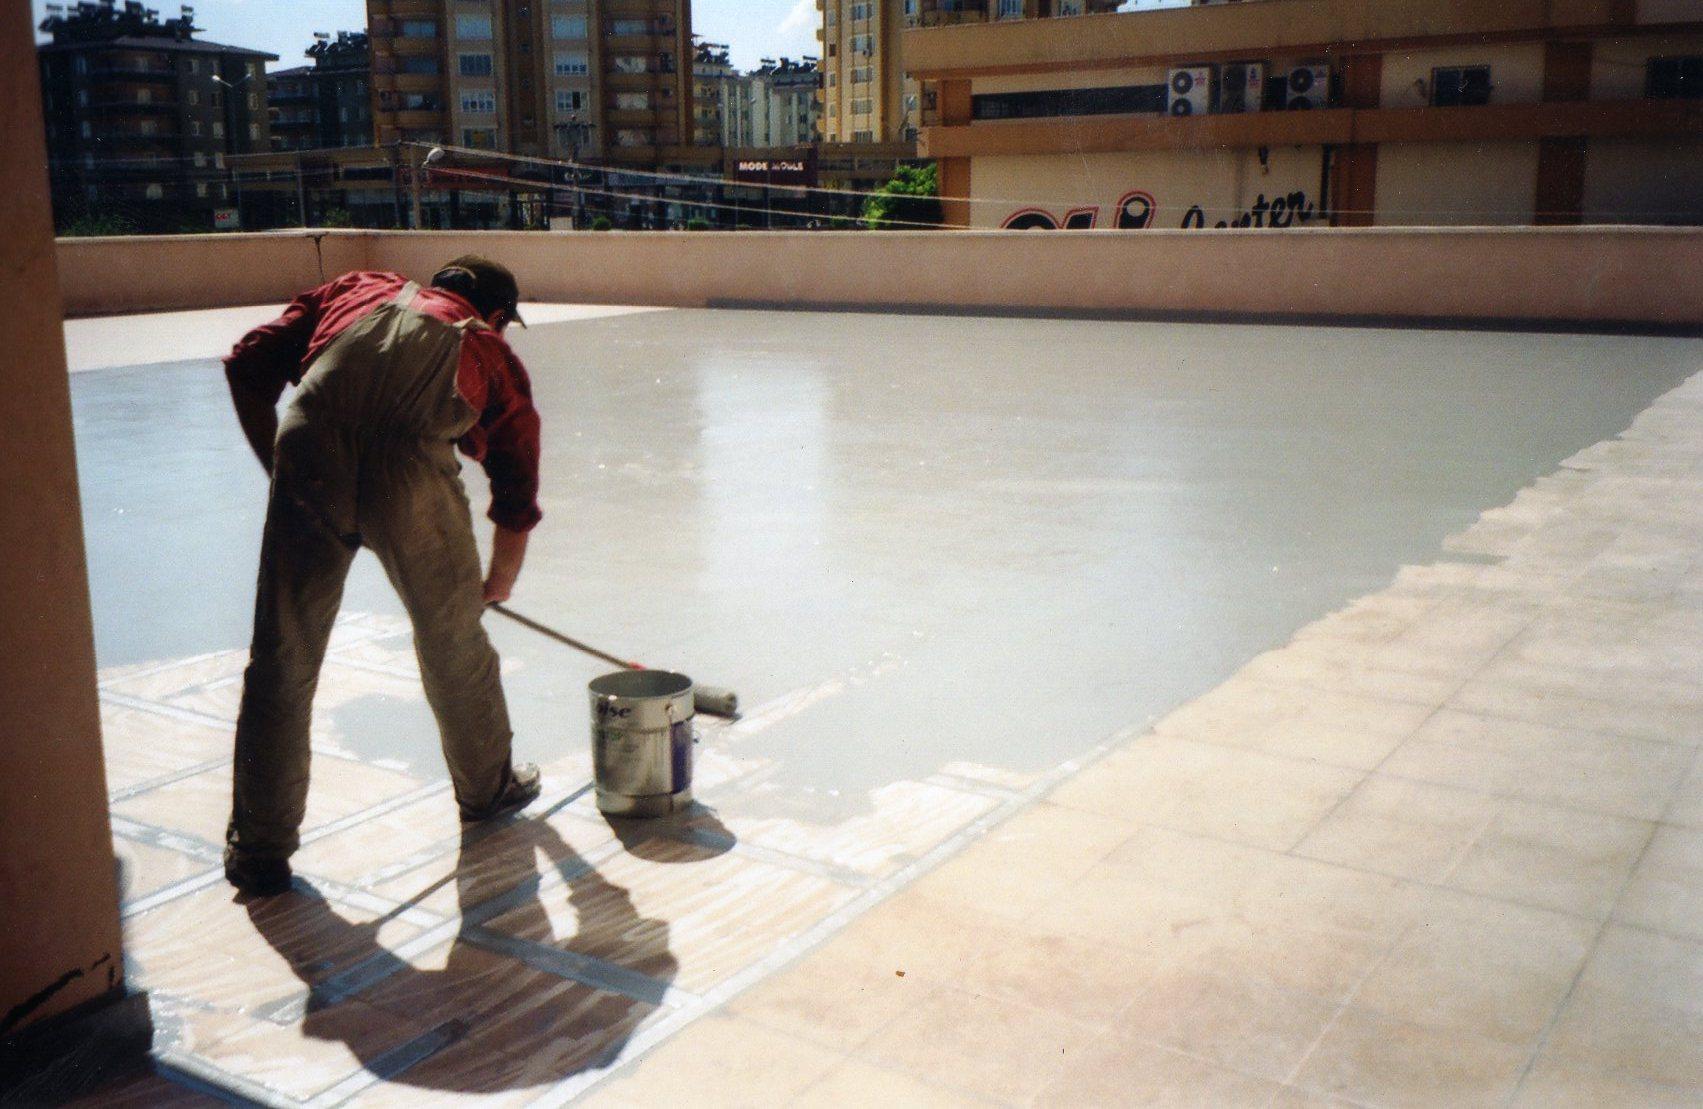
point(490, 378)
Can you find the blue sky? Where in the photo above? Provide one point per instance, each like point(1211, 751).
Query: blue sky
point(753, 28)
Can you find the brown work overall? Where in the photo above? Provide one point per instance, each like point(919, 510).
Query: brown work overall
point(365, 456)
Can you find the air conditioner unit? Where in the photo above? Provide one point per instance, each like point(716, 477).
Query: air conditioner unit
point(1190, 91)
point(1241, 87)
point(1308, 87)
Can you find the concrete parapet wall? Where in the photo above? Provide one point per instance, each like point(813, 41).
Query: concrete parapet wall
point(157, 273)
point(1562, 276)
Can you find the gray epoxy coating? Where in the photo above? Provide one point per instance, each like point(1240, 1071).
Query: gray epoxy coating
point(996, 540)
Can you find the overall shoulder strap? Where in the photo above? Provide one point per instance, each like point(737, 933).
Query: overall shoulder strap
point(405, 298)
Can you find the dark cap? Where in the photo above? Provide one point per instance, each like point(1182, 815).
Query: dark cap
point(487, 285)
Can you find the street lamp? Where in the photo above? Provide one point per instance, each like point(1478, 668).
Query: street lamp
point(576, 134)
point(433, 157)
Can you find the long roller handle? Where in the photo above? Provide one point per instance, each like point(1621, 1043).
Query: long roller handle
point(552, 633)
point(705, 698)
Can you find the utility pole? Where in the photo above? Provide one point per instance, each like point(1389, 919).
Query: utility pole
point(301, 190)
point(414, 182)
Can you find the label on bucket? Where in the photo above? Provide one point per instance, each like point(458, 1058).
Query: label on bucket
point(680, 742)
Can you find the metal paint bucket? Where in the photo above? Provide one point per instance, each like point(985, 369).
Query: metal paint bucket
point(641, 742)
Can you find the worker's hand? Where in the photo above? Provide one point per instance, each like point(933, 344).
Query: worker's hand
point(496, 592)
point(508, 552)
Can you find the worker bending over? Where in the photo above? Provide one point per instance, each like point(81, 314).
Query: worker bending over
point(393, 378)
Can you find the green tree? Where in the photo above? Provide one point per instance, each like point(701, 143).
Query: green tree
point(697, 223)
point(911, 198)
point(602, 223)
point(99, 223)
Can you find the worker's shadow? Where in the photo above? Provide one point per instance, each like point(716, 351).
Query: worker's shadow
point(486, 1021)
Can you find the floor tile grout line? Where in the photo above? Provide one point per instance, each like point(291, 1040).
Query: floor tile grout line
point(825, 929)
point(174, 712)
point(202, 1070)
point(157, 668)
point(131, 792)
point(1543, 1038)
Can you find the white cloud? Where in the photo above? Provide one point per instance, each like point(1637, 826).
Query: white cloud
point(802, 18)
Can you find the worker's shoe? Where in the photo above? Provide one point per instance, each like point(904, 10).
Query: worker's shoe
point(524, 785)
point(255, 876)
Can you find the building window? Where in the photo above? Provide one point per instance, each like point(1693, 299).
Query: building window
point(629, 27)
point(1071, 7)
point(569, 100)
point(863, 74)
point(1460, 86)
point(632, 101)
point(567, 26)
point(475, 65)
point(863, 136)
point(860, 12)
point(195, 128)
point(479, 102)
point(472, 26)
point(218, 130)
point(631, 63)
point(155, 192)
point(1010, 9)
point(88, 130)
point(194, 97)
point(200, 160)
point(632, 137)
point(201, 188)
point(421, 66)
point(253, 102)
point(479, 138)
point(254, 132)
point(863, 44)
point(148, 126)
point(861, 107)
point(419, 29)
point(572, 63)
point(1676, 78)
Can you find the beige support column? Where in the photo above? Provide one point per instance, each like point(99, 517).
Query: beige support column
point(58, 892)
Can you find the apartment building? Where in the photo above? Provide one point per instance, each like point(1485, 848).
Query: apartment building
point(715, 92)
point(141, 115)
point(777, 104)
point(604, 80)
point(1287, 113)
point(867, 95)
point(327, 104)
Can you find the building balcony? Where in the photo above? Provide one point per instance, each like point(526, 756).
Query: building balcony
point(132, 73)
point(634, 117)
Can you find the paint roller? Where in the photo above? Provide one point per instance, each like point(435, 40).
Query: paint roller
point(706, 699)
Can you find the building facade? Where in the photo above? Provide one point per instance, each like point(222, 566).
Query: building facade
point(777, 104)
point(141, 116)
point(327, 104)
point(603, 80)
point(867, 95)
point(714, 93)
point(1285, 113)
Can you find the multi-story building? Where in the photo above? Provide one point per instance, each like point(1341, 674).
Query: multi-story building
point(714, 92)
point(783, 103)
point(868, 97)
point(141, 115)
point(327, 104)
point(605, 80)
point(1283, 113)
point(777, 104)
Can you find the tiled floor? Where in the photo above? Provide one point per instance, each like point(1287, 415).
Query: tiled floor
point(1442, 847)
